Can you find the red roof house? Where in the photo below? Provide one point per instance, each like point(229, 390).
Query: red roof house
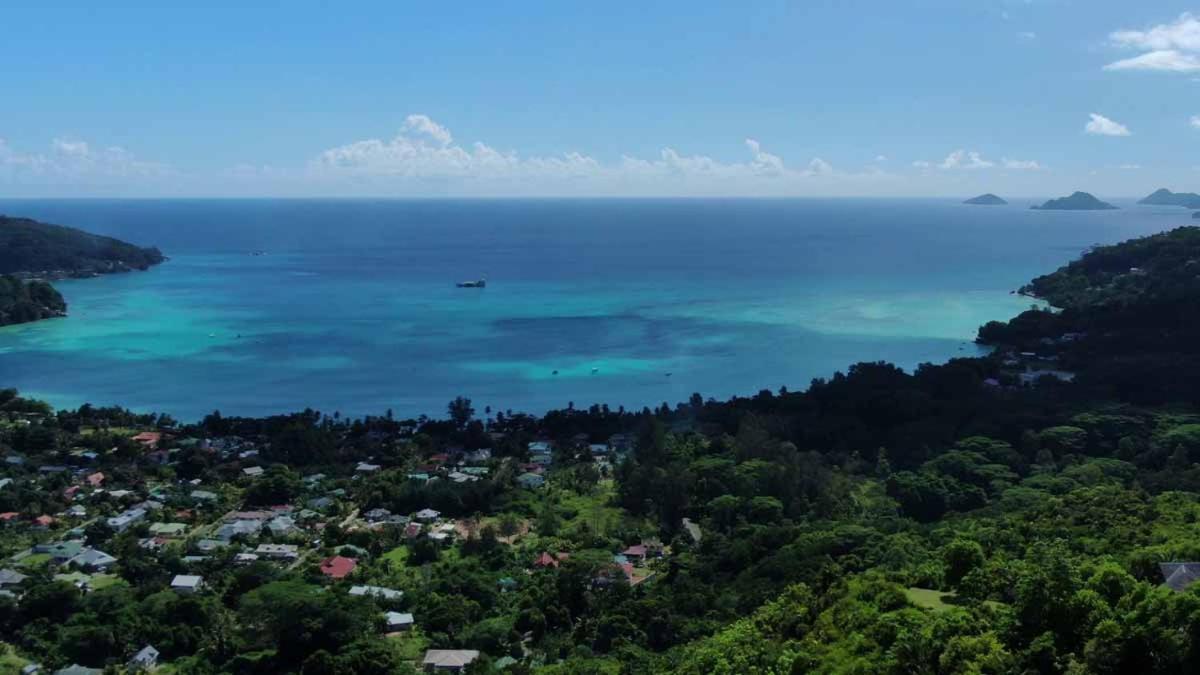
point(43, 521)
point(338, 566)
point(95, 479)
point(8, 516)
point(149, 439)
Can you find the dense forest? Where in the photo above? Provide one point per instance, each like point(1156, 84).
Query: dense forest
point(1013, 513)
point(31, 247)
point(22, 301)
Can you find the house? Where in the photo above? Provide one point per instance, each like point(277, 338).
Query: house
point(412, 530)
point(427, 515)
point(460, 477)
point(376, 592)
point(478, 456)
point(210, 545)
point(76, 669)
point(169, 530)
point(244, 528)
point(598, 448)
point(122, 521)
point(539, 448)
point(398, 621)
point(693, 530)
point(60, 551)
point(245, 558)
point(145, 659)
point(451, 660)
point(148, 439)
point(439, 537)
point(5, 482)
point(377, 514)
point(545, 560)
point(10, 577)
point(1179, 576)
point(9, 516)
point(319, 503)
point(338, 567)
point(364, 467)
point(203, 496)
point(95, 479)
point(92, 560)
point(253, 471)
point(43, 522)
point(187, 583)
point(278, 551)
point(281, 525)
point(77, 511)
point(531, 481)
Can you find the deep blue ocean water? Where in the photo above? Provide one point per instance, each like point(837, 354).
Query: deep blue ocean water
point(354, 309)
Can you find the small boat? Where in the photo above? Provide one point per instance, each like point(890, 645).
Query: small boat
point(479, 283)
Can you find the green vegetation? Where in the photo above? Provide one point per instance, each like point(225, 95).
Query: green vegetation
point(1164, 197)
point(987, 199)
point(988, 515)
point(30, 247)
point(23, 301)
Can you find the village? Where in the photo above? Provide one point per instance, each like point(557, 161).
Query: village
point(382, 530)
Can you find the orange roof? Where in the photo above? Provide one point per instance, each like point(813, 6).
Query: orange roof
point(9, 515)
point(148, 438)
point(95, 479)
point(338, 566)
point(44, 521)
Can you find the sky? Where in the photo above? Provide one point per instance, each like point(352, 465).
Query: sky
point(673, 98)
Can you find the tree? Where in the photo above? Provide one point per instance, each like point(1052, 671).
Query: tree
point(460, 411)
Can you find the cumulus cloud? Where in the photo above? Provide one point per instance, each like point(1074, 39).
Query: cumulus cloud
point(1170, 47)
point(425, 152)
point(973, 160)
point(74, 160)
point(1194, 121)
point(1099, 125)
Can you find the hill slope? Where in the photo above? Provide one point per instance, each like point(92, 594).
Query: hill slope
point(32, 248)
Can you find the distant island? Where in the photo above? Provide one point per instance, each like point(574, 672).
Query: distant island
point(1079, 201)
point(1164, 197)
point(33, 253)
point(988, 199)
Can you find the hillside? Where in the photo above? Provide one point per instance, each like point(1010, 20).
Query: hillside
point(1078, 201)
point(1164, 197)
point(988, 199)
point(32, 248)
point(23, 301)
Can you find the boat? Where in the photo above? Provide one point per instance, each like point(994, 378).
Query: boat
point(480, 283)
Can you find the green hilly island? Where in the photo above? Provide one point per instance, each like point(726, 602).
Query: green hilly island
point(32, 252)
point(1078, 201)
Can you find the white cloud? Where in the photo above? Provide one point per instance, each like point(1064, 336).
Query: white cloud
point(1170, 47)
point(1027, 35)
point(75, 161)
point(1166, 60)
point(1021, 164)
point(961, 159)
point(1194, 121)
point(1099, 125)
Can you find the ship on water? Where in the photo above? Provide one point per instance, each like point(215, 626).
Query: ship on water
point(479, 283)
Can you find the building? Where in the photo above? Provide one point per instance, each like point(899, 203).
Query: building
point(10, 577)
point(376, 592)
point(282, 525)
point(398, 621)
point(531, 481)
point(338, 567)
point(450, 660)
point(169, 530)
point(253, 471)
point(364, 467)
point(145, 659)
point(122, 521)
point(244, 528)
point(92, 560)
point(203, 496)
point(187, 583)
point(278, 551)
point(1179, 576)
point(427, 515)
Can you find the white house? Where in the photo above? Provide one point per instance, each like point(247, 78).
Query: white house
point(187, 583)
point(397, 621)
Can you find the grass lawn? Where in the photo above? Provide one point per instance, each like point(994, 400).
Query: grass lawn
point(398, 556)
point(930, 599)
point(410, 646)
point(105, 580)
point(593, 509)
point(9, 661)
point(35, 560)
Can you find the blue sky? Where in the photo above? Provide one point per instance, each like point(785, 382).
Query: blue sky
point(919, 98)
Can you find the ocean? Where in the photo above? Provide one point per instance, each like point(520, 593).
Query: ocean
point(353, 307)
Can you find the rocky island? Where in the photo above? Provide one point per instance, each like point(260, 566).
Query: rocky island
point(987, 199)
point(32, 253)
point(1079, 201)
point(1164, 197)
